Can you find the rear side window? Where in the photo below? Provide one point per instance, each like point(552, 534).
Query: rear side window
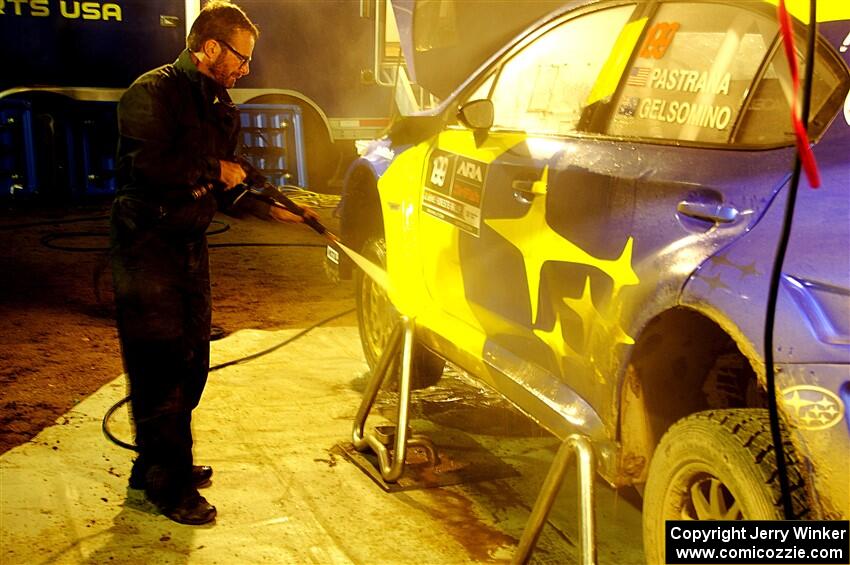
point(691, 75)
point(544, 88)
point(767, 118)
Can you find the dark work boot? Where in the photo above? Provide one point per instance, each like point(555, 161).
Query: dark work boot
point(201, 475)
point(175, 499)
point(191, 508)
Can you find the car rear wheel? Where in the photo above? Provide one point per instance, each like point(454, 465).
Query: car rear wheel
point(716, 465)
point(376, 317)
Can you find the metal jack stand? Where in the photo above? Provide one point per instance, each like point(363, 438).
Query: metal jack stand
point(583, 448)
point(401, 341)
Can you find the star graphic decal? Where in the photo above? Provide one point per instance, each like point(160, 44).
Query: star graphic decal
point(539, 243)
point(822, 411)
point(554, 338)
point(722, 260)
point(796, 403)
point(594, 321)
point(810, 419)
point(748, 270)
point(715, 282)
point(826, 403)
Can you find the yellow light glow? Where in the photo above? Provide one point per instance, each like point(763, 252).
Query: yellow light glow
point(828, 10)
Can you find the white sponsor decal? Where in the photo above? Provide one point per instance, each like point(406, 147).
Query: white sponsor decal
point(470, 170)
point(683, 80)
point(439, 170)
point(676, 111)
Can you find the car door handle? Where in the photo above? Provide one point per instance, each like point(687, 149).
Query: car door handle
point(531, 186)
point(523, 185)
point(713, 212)
point(523, 190)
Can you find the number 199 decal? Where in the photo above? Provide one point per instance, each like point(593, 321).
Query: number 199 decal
point(658, 39)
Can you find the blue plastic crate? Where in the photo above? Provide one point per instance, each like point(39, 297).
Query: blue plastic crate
point(96, 134)
point(18, 176)
point(272, 139)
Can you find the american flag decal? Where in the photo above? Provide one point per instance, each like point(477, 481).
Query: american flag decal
point(638, 76)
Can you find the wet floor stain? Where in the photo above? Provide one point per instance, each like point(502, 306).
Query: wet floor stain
point(460, 402)
point(456, 513)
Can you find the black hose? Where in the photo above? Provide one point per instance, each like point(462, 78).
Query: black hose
point(214, 245)
point(776, 275)
point(224, 227)
point(52, 222)
point(105, 423)
point(285, 342)
point(48, 239)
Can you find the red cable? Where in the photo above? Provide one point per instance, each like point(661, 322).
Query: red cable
point(807, 156)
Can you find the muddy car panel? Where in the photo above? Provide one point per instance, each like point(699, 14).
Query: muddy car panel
point(559, 258)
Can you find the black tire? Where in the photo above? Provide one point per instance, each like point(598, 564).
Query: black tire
point(716, 465)
point(376, 317)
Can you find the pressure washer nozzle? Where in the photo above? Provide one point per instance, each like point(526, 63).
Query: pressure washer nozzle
point(281, 201)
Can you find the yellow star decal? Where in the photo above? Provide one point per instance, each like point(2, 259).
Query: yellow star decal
point(809, 420)
point(594, 321)
point(795, 402)
point(555, 340)
point(826, 403)
point(539, 243)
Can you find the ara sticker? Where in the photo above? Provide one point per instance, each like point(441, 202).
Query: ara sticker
point(454, 187)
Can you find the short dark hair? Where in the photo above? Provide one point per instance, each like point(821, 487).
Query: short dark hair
point(218, 20)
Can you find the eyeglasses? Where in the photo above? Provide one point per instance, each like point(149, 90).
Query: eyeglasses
point(243, 60)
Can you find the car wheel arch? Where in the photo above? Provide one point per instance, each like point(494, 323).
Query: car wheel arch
point(682, 362)
point(361, 215)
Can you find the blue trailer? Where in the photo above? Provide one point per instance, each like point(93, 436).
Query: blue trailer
point(312, 90)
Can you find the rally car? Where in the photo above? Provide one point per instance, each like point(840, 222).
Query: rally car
point(588, 224)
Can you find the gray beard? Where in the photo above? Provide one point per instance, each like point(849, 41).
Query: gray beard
point(220, 75)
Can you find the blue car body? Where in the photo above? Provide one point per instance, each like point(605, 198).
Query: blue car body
point(680, 238)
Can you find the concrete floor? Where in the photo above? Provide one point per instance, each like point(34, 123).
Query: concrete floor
point(284, 494)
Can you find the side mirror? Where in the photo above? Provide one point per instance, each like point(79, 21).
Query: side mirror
point(477, 114)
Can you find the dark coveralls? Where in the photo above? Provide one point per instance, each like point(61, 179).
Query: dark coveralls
point(174, 124)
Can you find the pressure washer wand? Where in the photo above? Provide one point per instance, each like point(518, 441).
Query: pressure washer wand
point(280, 200)
point(259, 187)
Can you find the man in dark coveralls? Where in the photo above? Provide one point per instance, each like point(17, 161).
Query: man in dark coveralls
point(176, 155)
